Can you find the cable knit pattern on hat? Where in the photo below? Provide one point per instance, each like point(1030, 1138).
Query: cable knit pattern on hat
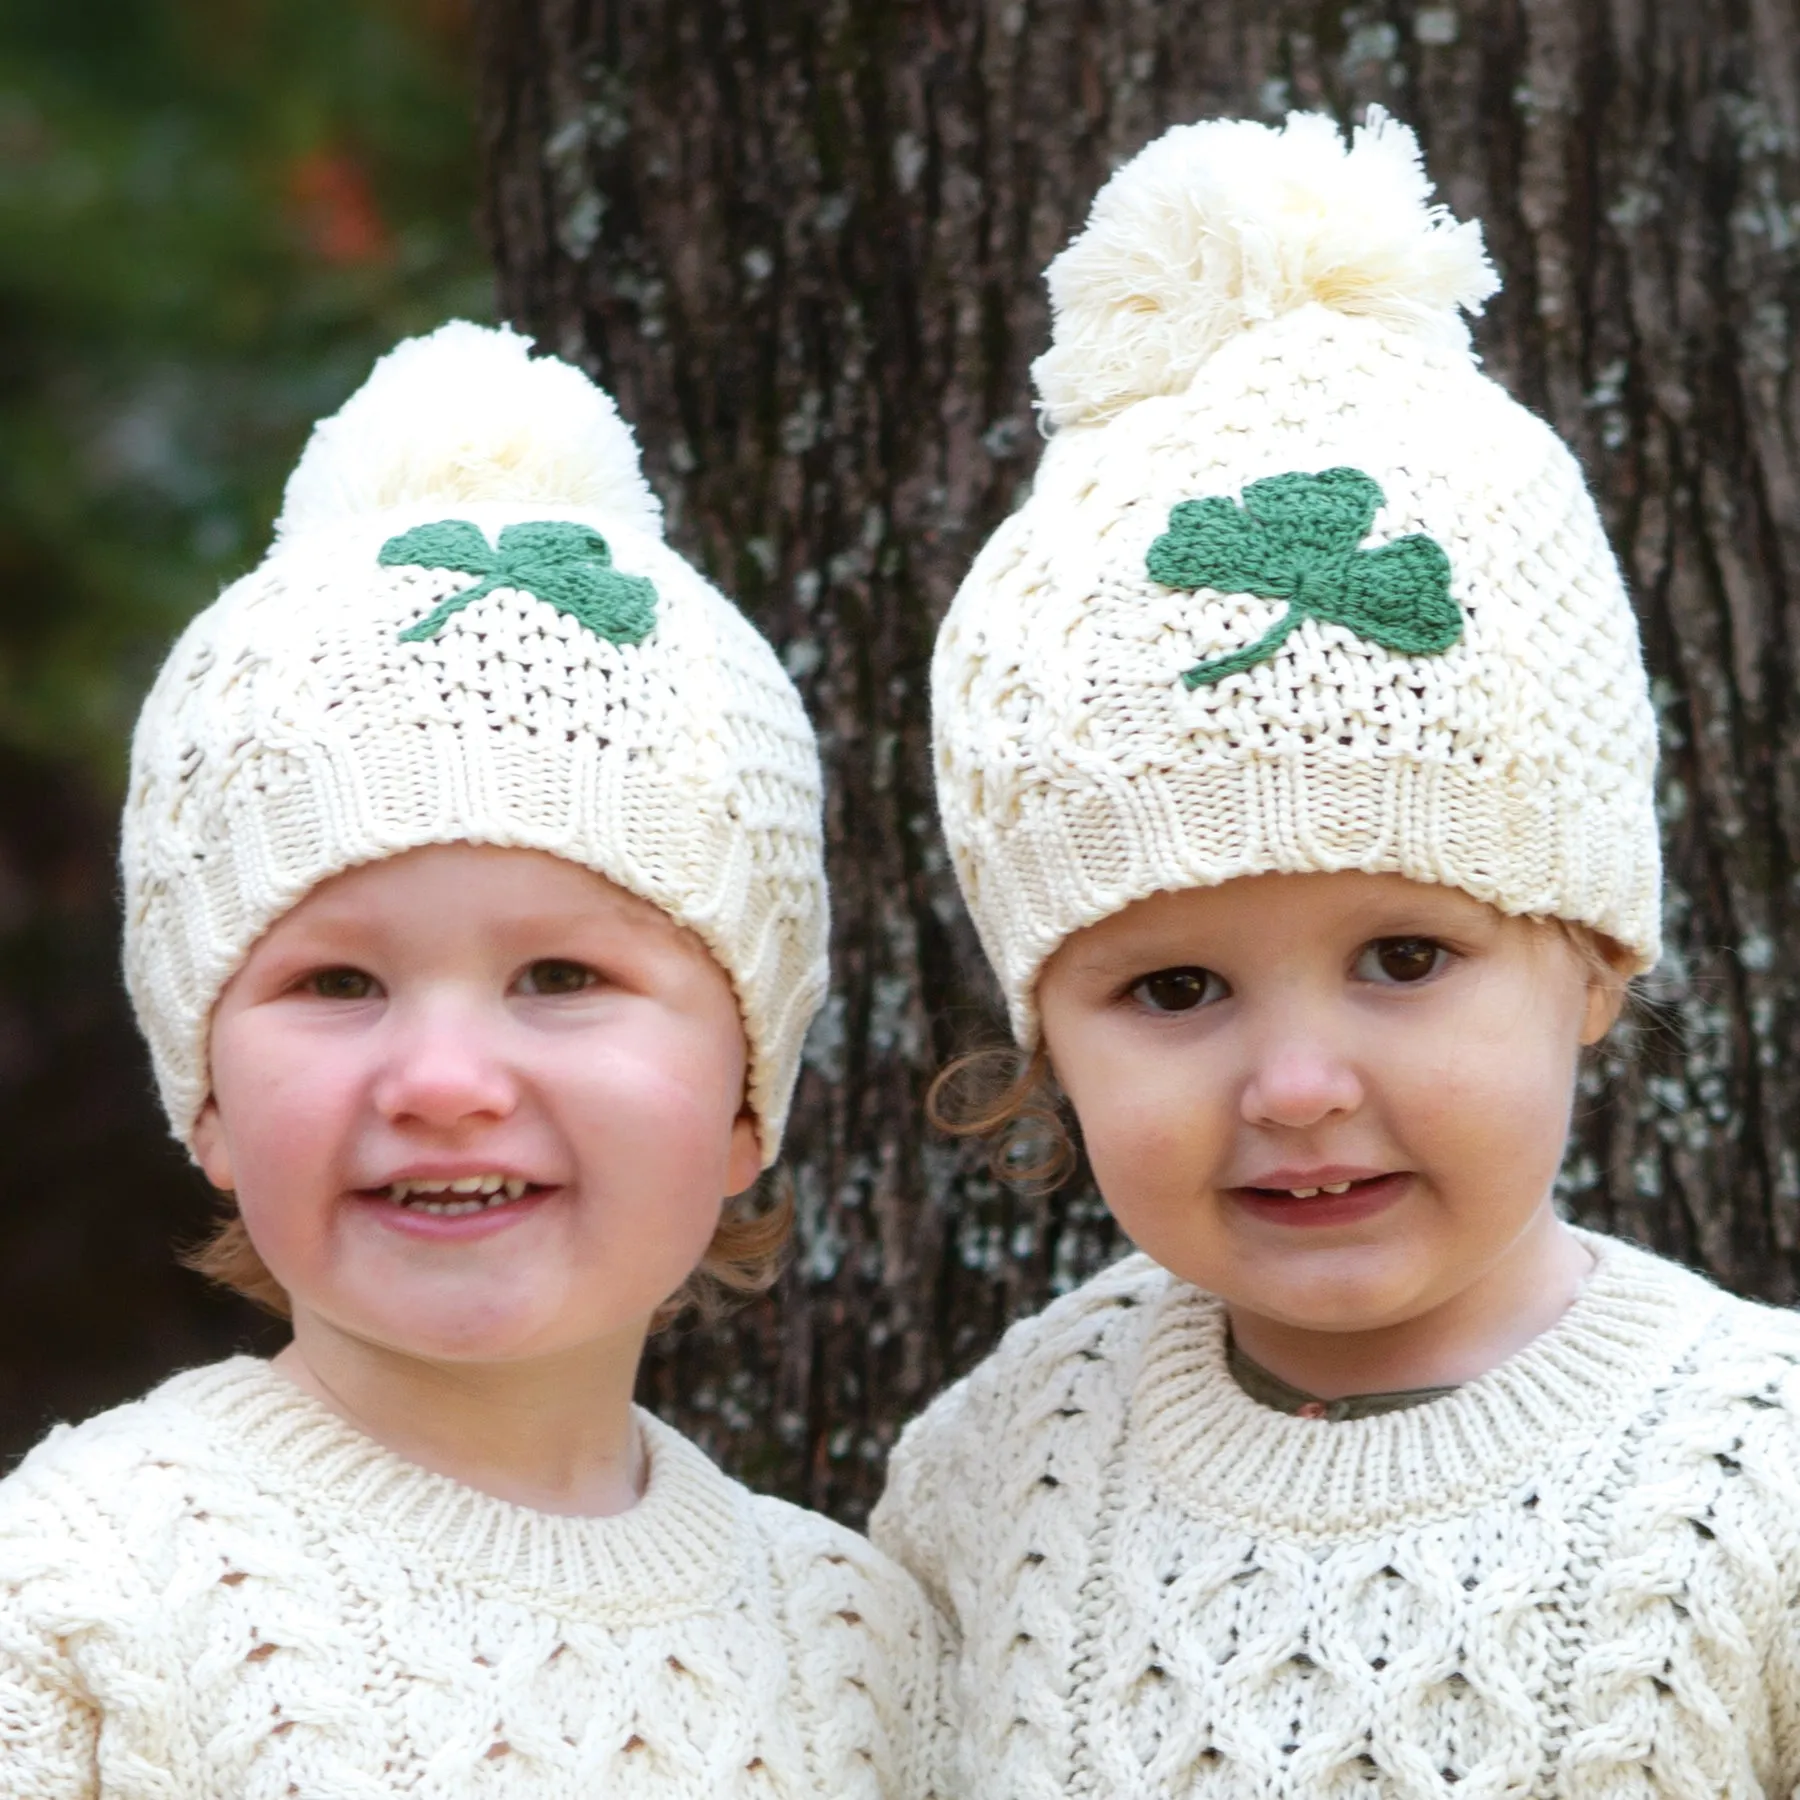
point(1576, 1576)
point(224, 1592)
point(296, 730)
point(1080, 769)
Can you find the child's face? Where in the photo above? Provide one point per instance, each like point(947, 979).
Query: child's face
point(462, 1012)
point(1225, 1046)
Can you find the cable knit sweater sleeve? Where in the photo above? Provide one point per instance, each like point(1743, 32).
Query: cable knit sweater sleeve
point(866, 1680)
point(48, 1732)
point(55, 1555)
point(910, 1519)
point(1741, 1475)
point(51, 1734)
point(955, 1477)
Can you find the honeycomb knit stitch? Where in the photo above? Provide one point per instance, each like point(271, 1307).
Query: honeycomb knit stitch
point(223, 1590)
point(1574, 1577)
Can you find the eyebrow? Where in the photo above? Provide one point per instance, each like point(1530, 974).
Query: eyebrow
point(352, 931)
point(1118, 962)
point(1380, 922)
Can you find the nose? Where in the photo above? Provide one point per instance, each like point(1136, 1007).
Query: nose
point(443, 1069)
point(1299, 1079)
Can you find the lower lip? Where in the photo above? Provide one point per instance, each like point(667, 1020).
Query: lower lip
point(456, 1228)
point(1362, 1200)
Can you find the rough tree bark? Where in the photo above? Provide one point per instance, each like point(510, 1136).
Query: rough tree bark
point(802, 240)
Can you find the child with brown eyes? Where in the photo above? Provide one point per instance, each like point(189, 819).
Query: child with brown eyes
point(475, 914)
point(1296, 756)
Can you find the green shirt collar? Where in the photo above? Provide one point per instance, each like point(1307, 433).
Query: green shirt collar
point(1268, 1389)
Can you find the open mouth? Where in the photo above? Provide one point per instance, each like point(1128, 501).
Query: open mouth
point(460, 1198)
point(1329, 1203)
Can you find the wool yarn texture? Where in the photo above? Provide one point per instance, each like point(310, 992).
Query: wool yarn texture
point(470, 628)
point(1575, 1576)
point(224, 1592)
point(1298, 587)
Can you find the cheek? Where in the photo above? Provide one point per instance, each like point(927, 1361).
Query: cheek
point(1153, 1122)
point(286, 1113)
point(665, 1109)
point(1494, 1108)
point(281, 1105)
point(652, 1144)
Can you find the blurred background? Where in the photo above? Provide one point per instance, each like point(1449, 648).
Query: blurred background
point(213, 215)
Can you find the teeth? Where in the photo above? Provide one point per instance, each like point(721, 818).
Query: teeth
point(1303, 1193)
point(472, 1194)
point(1335, 1187)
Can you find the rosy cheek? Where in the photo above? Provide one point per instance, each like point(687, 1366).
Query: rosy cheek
point(678, 1087)
point(282, 1111)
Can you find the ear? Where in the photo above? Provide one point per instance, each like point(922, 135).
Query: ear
point(744, 1159)
point(1606, 988)
point(209, 1147)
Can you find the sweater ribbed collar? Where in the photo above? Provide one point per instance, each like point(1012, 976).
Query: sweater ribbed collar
point(1229, 1459)
point(679, 1550)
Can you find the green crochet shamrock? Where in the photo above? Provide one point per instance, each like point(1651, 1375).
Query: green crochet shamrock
point(1295, 538)
point(554, 560)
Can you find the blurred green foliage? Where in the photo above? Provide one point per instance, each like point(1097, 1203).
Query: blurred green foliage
point(213, 215)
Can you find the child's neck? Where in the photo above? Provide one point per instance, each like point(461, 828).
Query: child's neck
point(555, 1434)
point(1463, 1337)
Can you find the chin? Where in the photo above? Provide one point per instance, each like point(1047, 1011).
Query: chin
point(457, 1340)
point(1333, 1292)
point(1342, 1315)
point(450, 1328)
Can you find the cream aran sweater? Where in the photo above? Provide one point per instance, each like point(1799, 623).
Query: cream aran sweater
point(1575, 1577)
point(223, 1590)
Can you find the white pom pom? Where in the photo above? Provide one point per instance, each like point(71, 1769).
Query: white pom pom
point(1219, 226)
point(467, 414)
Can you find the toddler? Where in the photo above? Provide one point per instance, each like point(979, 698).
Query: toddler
point(1295, 752)
point(475, 913)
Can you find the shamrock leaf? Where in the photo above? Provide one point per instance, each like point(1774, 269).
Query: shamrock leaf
point(568, 566)
point(451, 544)
point(1296, 538)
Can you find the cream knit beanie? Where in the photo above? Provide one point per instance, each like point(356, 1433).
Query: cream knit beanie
point(470, 628)
point(1298, 587)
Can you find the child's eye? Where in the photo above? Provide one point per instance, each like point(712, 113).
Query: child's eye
point(555, 975)
point(1178, 990)
point(1398, 961)
point(341, 984)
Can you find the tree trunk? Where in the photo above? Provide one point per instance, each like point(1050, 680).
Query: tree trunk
point(803, 244)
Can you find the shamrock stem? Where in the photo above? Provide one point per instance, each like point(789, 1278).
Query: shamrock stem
point(435, 621)
point(1205, 674)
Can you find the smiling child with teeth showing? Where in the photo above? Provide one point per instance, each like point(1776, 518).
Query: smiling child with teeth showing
point(475, 915)
point(1296, 757)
